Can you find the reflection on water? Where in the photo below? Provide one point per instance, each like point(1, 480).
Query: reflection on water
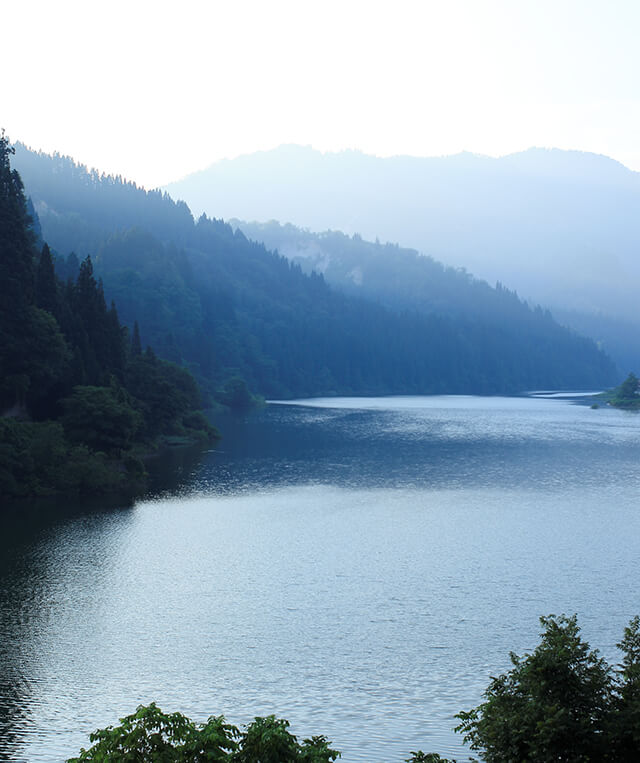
point(357, 566)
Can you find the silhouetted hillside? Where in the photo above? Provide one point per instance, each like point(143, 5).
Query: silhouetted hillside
point(227, 308)
point(79, 399)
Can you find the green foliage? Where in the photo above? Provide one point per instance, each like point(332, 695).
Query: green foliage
point(427, 757)
point(37, 459)
point(94, 416)
point(151, 736)
point(75, 396)
point(32, 350)
point(17, 241)
point(235, 394)
point(163, 392)
point(197, 422)
point(46, 283)
point(317, 750)
point(215, 740)
point(136, 344)
point(38, 359)
point(268, 740)
point(561, 702)
point(627, 395)
point(88, 473)
point(624, 736)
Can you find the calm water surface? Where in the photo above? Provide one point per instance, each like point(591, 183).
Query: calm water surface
point(358, 566)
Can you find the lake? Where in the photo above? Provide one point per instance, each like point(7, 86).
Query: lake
point(359, 566)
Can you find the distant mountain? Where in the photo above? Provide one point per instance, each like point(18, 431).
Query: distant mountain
point(225, 307)
point(560, 227)
point(401, 279)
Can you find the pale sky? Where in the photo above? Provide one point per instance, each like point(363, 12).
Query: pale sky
point(155, 90)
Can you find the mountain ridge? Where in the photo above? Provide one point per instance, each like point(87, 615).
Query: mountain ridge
point(208, 298)
point(560, 227)
point(492, 216)
point(513, 157)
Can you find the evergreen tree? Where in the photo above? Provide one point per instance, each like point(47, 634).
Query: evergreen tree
point(32, 351)
point(552, 705)
point(16, 241)
point(93, 328)
point(117, 351)
point(46, 283)
point(136, 345)
point(624, 734)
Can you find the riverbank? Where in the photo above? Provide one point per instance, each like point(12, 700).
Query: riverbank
point(626, 396)
point(37, 460)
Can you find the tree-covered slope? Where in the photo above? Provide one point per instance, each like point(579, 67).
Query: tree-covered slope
point(226, 307)
point(79, 401)
point(399, 278)
point(560, 227)
point(402, 279)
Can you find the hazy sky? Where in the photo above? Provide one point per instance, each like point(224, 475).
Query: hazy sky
point(155, 90)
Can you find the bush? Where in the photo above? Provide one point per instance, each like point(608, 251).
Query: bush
point(151, 736)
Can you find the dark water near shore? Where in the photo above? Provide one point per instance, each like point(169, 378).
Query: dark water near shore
point(359, 567)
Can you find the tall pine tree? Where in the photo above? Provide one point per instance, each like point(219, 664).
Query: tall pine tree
point(46, 283)
point(16, 240)
point(32, 351)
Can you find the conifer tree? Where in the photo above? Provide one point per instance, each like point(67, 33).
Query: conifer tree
point(46, 284)
point(16, 240)
point(136, 345)
point(116, 343)
point(16, 283)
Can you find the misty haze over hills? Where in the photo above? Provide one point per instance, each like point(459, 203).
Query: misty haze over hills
point(206, 297)
point(561, 227)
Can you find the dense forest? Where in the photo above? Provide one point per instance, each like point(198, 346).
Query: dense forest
point(403, 279)
point(399, 278)
point(80, 400)
point(561, 227)
point(231, 310)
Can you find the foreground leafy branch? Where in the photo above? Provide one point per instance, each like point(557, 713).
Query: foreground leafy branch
point(151, 736)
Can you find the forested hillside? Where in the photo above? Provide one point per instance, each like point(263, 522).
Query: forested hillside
point(560, 227)
point(404, 279)
point(80, 401)
point(228, 308)
point(519, 218)
point(399, 278)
